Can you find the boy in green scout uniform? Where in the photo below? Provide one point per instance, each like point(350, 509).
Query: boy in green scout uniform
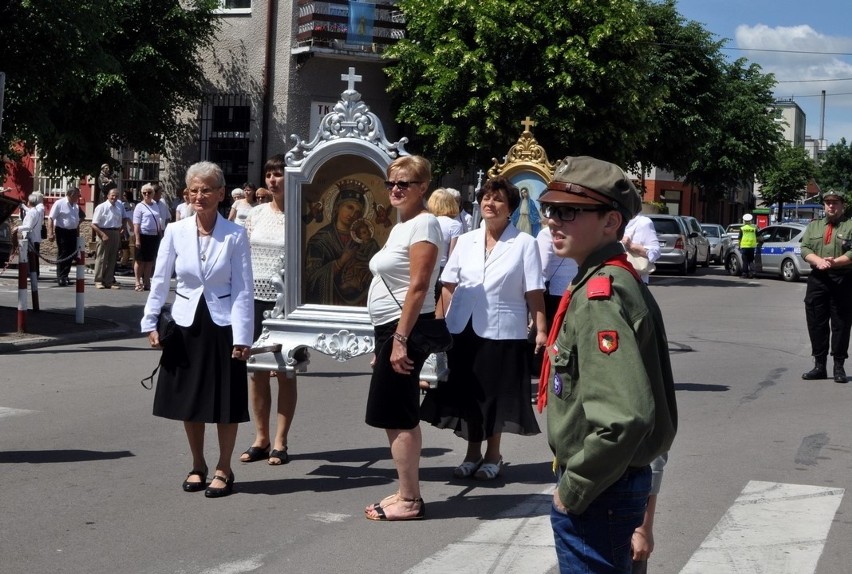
point(827, 246)
point(609, 386)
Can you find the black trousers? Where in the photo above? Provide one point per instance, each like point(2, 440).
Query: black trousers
point(748, 260)
point(828, 310)
point(66, 244)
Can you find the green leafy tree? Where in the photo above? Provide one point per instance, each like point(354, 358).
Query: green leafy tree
point(835, 171)
point(744, 140)
point(786, 179)
point(467, 72)
point(687, 67)
point(84, 76)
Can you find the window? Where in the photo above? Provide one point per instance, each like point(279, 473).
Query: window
point(225, 134)
point(235, 6)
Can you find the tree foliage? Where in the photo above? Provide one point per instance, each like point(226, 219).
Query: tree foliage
point(835, 171)
point(744, 138)
point(84, 76)
point(786, 180)
point(468, 72)
point(630, 81)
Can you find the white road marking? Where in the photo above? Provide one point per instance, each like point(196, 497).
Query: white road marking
point(239, 567)
point(9, 412)
point(519, 541)
point(329, 517)
point(771, 527)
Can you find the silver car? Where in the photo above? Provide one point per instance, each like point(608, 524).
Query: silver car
point(675, 248)
point(696, 236)
point(720, 243)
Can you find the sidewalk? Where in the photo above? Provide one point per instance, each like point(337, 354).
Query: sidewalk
point(50, 328)
point(108, 314)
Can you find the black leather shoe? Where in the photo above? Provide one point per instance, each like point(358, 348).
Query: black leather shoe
point(220, 492)
point(839, 374)
point(817, 373)
point(195, 486)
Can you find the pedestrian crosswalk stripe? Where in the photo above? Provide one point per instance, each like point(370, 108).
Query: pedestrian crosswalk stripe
point(771, 527)
point(518, 541)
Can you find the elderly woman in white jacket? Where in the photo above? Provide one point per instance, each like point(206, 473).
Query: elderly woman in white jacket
point(492, 283)
point(203, 374)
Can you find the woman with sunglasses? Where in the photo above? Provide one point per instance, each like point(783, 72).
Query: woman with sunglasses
point(401, 294)
point(492, 284)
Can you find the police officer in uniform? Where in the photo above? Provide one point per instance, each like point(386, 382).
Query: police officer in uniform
point(607, 379)
point(827, 246)
point(748, 243)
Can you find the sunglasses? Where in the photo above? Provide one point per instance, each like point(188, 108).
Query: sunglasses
point(403, 185)
point(566, 213)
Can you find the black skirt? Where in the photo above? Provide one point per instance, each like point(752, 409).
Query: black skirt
point(198, 380)
point(148, 246)
point(488, 391)
point(393, 401)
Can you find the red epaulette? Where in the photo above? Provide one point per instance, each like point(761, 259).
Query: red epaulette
point(599, 287)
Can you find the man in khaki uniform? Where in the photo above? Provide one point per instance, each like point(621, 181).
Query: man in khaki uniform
point(609, 385)
point(827, 246)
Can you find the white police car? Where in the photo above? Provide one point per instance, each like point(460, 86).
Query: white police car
point(779, 252)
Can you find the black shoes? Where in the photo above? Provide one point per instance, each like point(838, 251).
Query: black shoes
point(818, 372)
point(220, 492)
point(839, 373)
point(195, 486)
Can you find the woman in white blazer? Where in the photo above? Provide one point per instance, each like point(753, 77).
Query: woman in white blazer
point(492, 284)
point(203, 371)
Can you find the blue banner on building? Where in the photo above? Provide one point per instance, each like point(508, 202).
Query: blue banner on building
point(360, 23)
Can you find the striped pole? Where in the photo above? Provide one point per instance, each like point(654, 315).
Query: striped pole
point(23, 271)
point(81, 279)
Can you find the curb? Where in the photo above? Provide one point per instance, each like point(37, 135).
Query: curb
point(42, 341)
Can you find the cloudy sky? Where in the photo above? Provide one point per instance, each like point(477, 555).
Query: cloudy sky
point(807, 45)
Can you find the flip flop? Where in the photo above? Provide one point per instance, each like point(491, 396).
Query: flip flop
point(255, 453)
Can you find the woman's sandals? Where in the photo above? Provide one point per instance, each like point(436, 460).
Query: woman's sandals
point(379, 509)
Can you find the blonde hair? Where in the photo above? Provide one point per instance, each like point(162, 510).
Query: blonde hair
point(419, 167)
point(442, 202)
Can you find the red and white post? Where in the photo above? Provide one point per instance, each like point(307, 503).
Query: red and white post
point(23, 271)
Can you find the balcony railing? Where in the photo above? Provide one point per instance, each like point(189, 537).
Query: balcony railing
point(344, 25)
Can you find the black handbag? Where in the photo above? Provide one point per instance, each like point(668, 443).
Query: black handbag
point(428, 335)
point(166, 332)
point(166, 326)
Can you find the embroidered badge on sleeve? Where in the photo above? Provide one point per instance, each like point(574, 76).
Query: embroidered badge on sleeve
point(608, 341)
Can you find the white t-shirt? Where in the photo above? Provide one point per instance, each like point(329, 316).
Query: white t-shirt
point(557, 271)
point(265, 229)
point(450, 228)
point(393, 264)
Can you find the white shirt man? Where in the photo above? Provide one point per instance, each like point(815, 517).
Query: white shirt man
point(107, 222)
point(640, 240)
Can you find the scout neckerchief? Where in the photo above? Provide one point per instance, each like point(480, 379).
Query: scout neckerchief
point(619, 260)
point(828, 229)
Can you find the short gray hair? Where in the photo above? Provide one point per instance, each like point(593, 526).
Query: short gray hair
point(455, 193)
point(147, 187)
point(206, 170)
point(35, 198)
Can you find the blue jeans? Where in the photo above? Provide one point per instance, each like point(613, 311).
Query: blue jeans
point(598, 540)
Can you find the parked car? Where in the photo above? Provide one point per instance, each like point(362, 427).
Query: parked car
point(676, 251)
point(696, 236)
point(779, 252)
point(720, 243)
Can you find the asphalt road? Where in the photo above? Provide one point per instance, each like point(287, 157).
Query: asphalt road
point(91, 481)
